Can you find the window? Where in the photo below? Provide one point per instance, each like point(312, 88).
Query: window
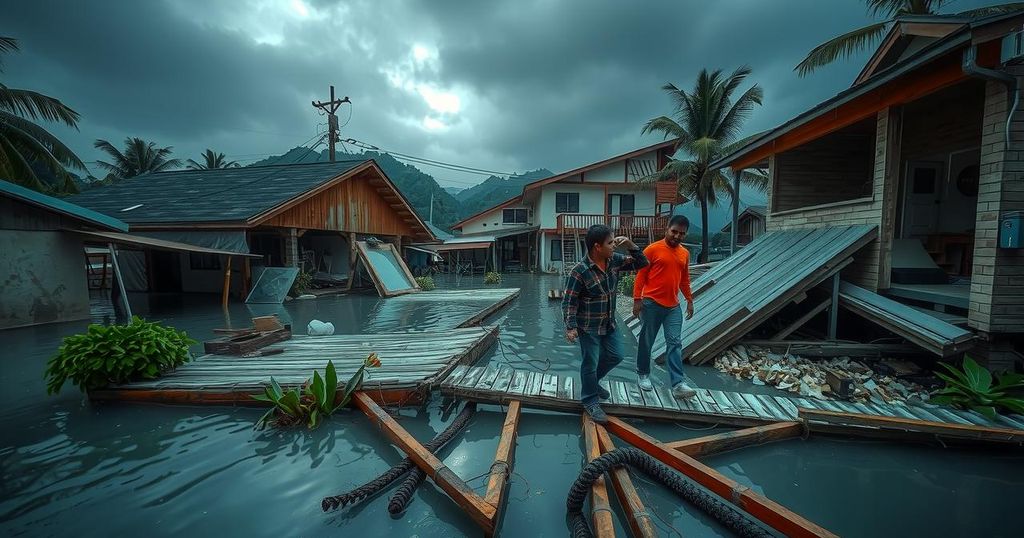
point(664, 209)
point(567, 202)
point(621, 204)
point(556, 250)
point(203, 262)
point(514, 216)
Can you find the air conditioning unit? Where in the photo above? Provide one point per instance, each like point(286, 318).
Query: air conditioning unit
point(1012, 48)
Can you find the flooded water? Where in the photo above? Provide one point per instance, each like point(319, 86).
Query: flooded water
point(73, 468)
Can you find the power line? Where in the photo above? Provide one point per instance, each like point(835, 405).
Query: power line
point(426, 161)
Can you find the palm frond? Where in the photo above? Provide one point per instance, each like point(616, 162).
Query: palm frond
point(841, 47)
point(192, 165)
point(732, 123)
point(992, 10)
point(756, 179)
point(892, 8)
point(53, 145)
point(15, 168)
point(7, 44)
point(35, 105)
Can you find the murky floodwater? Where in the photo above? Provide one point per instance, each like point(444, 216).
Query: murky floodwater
point(72, 468)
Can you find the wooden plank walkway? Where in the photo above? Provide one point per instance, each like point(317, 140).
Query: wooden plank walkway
point(489, 300)
point(501, 384)
point(411, 364)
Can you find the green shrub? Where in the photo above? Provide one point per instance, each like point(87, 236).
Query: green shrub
point(492, 277)
point(626, 284)
point(314, 402)
point(426, 283)
point(972, 388)
point(303, 283)
point(115, 354)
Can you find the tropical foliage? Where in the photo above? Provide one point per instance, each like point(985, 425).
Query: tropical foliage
point(492, 277)
point(212, 161)
point(426, 283)
point(626, 283)
point(316, 400)
point(303, 283)
point(114, 354)
point(857, 40)
point(26, 149)
point(138, 157)
point(706, 122)
point(973, 388)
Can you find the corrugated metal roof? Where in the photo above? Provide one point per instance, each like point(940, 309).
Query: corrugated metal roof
point(158, 244)
point(223, 195)
point(63, 207)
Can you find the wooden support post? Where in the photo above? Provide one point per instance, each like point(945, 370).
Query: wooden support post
point(802, 321)
point(481, 512)
point(833, 312)
point(961, 431)
point(762, 508)
point(639, 520)
point(600, 508)
point(120, 280)
point(353, 258)
point(227, 282)
point(246, 278)
point(722, 442)
point(504, 459)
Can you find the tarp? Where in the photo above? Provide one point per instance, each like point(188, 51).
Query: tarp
point(161, 244)
point(231, 241)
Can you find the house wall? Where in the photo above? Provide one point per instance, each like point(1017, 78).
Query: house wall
point(997, 284)
point(491, 221)
point(612, 173)
point(591, 201)
point(834, 168)
point(42, 277)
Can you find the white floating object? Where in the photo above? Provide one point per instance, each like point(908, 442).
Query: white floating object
point(319, 328)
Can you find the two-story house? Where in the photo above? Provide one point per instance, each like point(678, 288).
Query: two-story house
point(543, 227)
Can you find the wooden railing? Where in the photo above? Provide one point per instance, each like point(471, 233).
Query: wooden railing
point(628, 225)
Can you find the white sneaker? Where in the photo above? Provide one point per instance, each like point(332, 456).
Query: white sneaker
point(682, 391)
point(644, 381)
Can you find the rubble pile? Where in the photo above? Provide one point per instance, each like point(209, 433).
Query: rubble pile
point(811, 378)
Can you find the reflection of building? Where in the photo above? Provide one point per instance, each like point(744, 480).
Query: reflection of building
point(750, 224)
point(542, 227)
point(298, 215)
point(921, 147)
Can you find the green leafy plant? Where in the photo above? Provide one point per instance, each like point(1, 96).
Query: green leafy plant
point(972, 388)
point(115, 354)
point(626, 284)
point(316, 400)
point(303, 283)
point(426, 283)
point(492, 277)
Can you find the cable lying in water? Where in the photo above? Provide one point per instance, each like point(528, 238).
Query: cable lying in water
point(725, 514)
point(398, 471)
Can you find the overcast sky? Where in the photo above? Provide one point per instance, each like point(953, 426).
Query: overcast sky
point(506, 86)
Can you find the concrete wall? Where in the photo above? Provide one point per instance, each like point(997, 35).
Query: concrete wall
point(42, 278)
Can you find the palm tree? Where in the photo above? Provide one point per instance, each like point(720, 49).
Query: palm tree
point(705, 123)
point(857, 40)
point(139, 157)
point(25, 147)
point(213, 162)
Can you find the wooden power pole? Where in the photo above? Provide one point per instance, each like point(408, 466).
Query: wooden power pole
point(330, 107)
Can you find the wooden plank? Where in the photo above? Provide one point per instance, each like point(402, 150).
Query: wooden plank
point(618, 391)
point(669, 403)
point(475, 506)
point(518, 382)
point(742, 406)
point(640, 522)
point(633, 394)
point(652, 399)
point(549, 386)
point(759, 408)
point(455, 375)
point(472, 376)
point(709, 402)
point(488, 377)
point(983, 433)
point(565, 388)
point(767, 511)
point(600, 507)
point(787, 406)
point(533, 384)
point(504, 459)
point(723, 442)
point(773, 407)
point(501, 382)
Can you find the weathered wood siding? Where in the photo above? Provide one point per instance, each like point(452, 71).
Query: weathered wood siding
point(355, 205)
point(943, 122)
point(831, 169)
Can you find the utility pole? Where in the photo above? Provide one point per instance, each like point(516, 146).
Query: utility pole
point(330, 107)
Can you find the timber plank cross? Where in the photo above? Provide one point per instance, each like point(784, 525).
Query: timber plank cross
point(600, 507)
point(486, 511)
point(629, 499)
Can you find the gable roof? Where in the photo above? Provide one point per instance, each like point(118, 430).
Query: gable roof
point(752, 210)
point(558, 177)
point(902, 33)
point(38, 199)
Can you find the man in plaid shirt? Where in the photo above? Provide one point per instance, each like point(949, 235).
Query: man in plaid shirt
point(588, 307)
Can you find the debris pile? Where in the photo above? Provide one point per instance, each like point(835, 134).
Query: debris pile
point(838, 378)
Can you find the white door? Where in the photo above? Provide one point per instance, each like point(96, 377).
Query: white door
point(921, 199)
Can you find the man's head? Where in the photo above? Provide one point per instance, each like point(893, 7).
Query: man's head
point(599, 242)
point(678, 225)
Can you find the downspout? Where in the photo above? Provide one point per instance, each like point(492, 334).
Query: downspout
point(971, 68)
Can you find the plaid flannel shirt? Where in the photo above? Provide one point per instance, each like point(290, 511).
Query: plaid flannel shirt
point(588, 303)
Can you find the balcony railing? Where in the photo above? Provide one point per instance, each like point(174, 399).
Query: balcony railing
point(627, 225)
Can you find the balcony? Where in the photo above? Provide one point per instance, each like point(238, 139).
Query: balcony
point(632, 226)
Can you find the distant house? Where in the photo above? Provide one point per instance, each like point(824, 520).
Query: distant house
point(542, 228)
point(296, 215)
point(750, 224)
point(928, 146)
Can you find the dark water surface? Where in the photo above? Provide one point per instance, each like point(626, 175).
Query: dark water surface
point(72, 468)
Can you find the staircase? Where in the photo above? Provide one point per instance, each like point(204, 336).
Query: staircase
point(570, 249)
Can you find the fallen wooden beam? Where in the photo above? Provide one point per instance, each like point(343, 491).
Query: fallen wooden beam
point(504, 459)
point(704, 286)
point(478, 509)
point(639, 520)
point(762, 508)
point(600, 508)
point(723, 442)
point(803, 320)
point(962, 431)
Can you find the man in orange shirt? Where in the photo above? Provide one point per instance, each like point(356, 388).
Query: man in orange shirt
point(656, 303)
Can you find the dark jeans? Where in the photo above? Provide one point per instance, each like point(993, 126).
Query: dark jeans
point(601, 353)
point(654, 317)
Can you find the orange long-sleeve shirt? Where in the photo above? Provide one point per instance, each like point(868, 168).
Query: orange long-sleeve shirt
point(667, 274)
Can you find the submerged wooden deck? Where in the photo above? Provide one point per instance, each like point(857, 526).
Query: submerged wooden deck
point(502, 384)
point(411, 364)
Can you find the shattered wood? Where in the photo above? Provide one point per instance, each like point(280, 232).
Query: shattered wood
point(811, 378)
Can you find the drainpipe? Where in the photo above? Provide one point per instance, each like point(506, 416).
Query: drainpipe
point(971, 68)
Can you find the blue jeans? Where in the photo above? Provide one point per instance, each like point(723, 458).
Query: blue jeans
point(653, 318)
point(601, 353)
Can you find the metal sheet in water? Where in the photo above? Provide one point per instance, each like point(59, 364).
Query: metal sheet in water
point(272, 285)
